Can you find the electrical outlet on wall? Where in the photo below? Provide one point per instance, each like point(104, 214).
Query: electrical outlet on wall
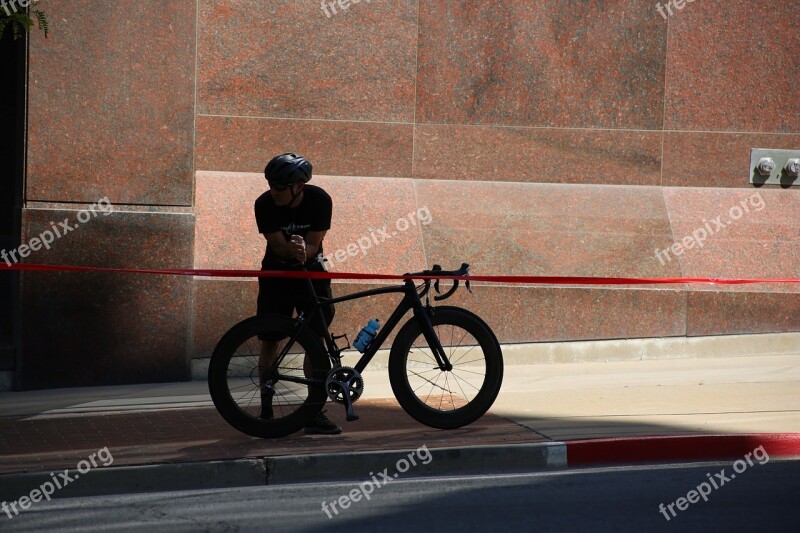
point(775, 167)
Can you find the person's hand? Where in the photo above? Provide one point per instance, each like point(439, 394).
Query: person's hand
point(298, 247)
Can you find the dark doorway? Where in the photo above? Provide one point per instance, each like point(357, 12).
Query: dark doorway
point(12, 130)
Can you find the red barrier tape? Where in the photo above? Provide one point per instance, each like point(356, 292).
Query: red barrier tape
point(537, 280)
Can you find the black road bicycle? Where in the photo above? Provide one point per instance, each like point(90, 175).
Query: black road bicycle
point(445, 364)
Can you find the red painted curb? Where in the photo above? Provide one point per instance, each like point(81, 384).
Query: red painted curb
point(680, 448)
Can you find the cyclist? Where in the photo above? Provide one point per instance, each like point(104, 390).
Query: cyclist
point(294, 217)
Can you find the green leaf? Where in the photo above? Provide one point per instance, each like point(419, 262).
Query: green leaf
point(21, 22)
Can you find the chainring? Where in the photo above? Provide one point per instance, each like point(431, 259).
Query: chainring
point(344, 380)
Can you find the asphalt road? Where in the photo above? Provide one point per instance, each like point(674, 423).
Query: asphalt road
point(761, 497)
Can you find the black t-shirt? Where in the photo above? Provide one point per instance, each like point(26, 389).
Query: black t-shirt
point(312, 214)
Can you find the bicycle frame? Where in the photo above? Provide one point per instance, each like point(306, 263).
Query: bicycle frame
point(410, 302)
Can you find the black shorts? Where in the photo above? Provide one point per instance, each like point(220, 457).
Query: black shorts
point(284, 296)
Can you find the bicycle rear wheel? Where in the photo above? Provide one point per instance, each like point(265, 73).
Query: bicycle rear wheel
point(447, 399)
point(233, 377)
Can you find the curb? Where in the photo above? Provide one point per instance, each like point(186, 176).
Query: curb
point(680, 448)
point(130, 479)
point(284, 470)
point(360, 466)
point(469, 460)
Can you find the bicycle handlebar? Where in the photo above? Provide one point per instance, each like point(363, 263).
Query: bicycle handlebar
point(437, 271)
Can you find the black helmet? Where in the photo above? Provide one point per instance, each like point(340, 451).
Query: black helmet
point(288, 169)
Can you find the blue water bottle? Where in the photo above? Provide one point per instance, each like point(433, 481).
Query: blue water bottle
point(366, 335)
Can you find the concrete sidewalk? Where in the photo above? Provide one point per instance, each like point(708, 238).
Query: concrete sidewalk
point(175, 426)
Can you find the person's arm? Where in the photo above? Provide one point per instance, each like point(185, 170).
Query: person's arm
point(313, 242)
point(294, 249)
point(320, 224)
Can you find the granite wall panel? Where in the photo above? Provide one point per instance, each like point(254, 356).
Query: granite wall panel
point(745, 312)
point(111, 103)
point(537, 155)
point(735, 233)
point(237, 144)
point(82, 329)
point(549, 63)
point(547, 229)
point(714, 159)
point(286, 58)
point(732, 66)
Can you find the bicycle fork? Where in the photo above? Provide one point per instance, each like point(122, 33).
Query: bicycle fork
point(423, 315)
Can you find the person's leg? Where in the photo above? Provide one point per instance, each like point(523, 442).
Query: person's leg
point(272, 298)
point(323, 289)
point(267, 357)
point(321, 424)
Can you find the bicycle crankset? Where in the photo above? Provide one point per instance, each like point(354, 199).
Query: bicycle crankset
point(345, 385)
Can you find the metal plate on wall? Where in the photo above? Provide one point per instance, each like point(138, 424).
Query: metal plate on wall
point(779, 175)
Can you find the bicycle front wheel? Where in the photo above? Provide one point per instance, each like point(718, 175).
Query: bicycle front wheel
point(447, 399)
point(297, 381)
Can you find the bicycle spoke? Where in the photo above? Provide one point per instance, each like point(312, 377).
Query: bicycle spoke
point(421, 362)
point(434, 369)
point(428, 356)
point(455, 378)
point(467, 382)
point(446, 382)
point(430, 391)
point(464, 355)
point(293, 392)
point(470, 372)
point(248, 385)
point(426, 381)
point(447, 391)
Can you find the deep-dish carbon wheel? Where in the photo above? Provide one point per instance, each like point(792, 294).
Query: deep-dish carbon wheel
point(296, 386)
point(447, 399)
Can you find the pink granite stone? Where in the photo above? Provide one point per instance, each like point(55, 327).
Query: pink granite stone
point(548, 230)
point(707, 159)
point(376, 225)
point(219, 304)
point(548, 63)
point(82, 329)
point(550, 314)
point(732, 66)
point(541, 155)
point(744, 233)
point(335, 148)
point(226, 236)
point(286, 58)
point(111, 109)
point(731, 313)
